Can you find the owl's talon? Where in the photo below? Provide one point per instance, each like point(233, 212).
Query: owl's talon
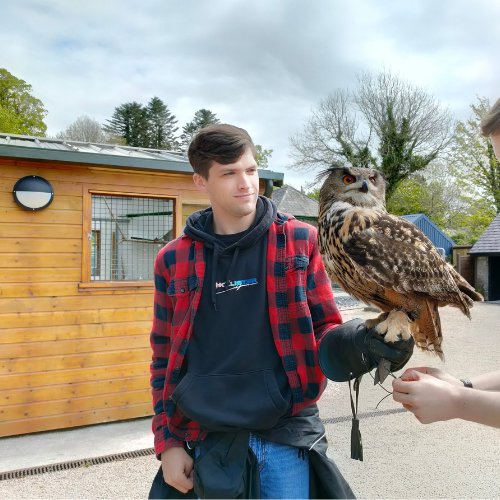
point(395, 327)
point(370, 323)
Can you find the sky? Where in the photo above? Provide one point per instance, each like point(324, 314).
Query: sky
point(262, 65)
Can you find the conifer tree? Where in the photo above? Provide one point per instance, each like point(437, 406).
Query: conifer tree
point(162, 126)
point(131, 121)
point(202, 118)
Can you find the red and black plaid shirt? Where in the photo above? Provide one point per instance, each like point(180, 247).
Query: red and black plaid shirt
point(301, 309)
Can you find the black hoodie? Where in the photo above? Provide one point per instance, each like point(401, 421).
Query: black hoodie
point(233, 374)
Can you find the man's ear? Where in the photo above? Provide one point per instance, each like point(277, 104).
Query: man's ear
point(199, 182)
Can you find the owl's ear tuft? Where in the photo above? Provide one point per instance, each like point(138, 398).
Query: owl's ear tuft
point(325, 173)
point(380, 174)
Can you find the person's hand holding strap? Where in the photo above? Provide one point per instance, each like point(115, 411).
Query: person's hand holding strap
point(177, 468)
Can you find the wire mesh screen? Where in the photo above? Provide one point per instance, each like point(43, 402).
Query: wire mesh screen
point(127, 234)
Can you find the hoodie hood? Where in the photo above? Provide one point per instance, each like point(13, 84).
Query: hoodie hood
point(199, 227)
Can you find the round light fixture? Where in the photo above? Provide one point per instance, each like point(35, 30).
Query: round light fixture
point(33, 193)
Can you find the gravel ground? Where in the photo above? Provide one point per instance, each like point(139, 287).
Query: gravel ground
point(403, 459)
point(129, 478)
point(347, 302)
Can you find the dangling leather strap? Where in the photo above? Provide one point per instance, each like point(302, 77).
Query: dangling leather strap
point(356, 443)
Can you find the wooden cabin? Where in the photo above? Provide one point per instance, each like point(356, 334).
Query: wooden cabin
point(486, 256)
point(76, 278)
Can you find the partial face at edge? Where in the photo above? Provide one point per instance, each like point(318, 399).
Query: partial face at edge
point(495, 141)
point(233, 188)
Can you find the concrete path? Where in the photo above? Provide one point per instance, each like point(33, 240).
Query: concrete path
point(47, 448)
point(403, 458)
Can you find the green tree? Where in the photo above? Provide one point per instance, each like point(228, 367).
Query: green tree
point(162, 126)
point(471, 224)
point(9, 122)
point(443, 196)
point(312, 193)
point(131, 122)
point(202, 118)
point(386, 123)
point(263, 156)
point(20, 111)
point(474, 157)
point(415, 195)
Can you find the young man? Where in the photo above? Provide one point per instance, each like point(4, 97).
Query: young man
point(242, 302)
point(433, 395)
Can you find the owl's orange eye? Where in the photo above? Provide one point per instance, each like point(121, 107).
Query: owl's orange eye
point(349, 179)
point(372, 180)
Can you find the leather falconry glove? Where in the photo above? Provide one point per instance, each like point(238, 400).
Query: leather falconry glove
point(351, 350)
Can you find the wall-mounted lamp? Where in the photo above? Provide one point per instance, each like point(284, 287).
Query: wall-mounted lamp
point(33, 193)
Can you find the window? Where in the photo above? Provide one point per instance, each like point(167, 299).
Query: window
point(126, 234)
point(95, 253)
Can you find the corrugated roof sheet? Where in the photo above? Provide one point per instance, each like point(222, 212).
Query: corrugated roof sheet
point(58, 150)
point(413, 217)
point(88, 147)
point(438, 237)
point(489, 241)
point(292, 201)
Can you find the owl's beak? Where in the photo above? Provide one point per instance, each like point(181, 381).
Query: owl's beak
point(364, 187)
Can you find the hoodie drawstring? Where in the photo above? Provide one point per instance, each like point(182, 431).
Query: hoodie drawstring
point(215, 260)
point(233, 262)
point(214, 269)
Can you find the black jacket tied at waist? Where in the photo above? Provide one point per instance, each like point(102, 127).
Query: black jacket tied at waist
point(227, 467)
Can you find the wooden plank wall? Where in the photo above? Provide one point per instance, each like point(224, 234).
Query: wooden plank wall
point(70, 357)
point(466, 267)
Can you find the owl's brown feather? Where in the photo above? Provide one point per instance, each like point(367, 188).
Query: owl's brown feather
point(385, 260)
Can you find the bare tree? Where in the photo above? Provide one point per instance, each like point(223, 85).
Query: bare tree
point(331, 136)
point(386, 123)
point(86, 129)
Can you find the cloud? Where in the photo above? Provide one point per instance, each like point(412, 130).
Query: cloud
point(261, 65)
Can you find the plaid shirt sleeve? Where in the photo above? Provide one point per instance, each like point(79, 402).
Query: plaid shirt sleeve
point(324, 313)
point(161, 345)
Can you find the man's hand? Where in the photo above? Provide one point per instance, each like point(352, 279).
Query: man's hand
point(426, 396)
point(177, 468)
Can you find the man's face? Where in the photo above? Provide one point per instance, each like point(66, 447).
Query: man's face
point(232, 189)
point(495, 141)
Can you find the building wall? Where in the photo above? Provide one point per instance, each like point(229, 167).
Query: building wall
point(462, 250)
point(482, 272)
point(71, 355)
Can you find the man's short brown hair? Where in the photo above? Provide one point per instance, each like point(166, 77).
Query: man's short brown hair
point(490, 124)
point(221, 143)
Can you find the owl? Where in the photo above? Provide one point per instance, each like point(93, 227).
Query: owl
point(386, 261)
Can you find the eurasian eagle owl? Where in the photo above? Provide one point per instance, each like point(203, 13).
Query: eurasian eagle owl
point(385, 260)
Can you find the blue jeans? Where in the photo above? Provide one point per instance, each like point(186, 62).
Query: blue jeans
point(283, 474)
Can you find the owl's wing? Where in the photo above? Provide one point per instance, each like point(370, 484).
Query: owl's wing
point(395, 254)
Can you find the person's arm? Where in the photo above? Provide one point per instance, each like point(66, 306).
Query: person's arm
point(486, 382)
point(177, 465)
point(432, 399)
point(324, 313)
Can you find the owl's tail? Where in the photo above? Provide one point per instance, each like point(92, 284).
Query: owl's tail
point(430, 335)
point(468, 294)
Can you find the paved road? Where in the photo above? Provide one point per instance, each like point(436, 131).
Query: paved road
point(403, 459)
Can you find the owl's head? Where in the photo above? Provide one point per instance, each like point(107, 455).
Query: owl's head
point(359, 187)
